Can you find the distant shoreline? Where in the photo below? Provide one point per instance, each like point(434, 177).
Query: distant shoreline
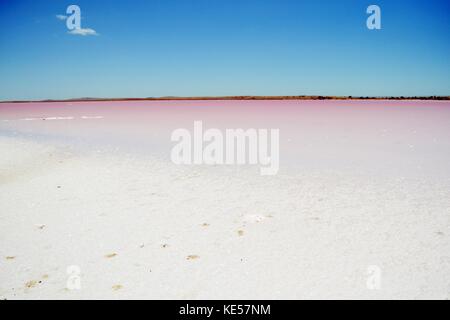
point(173, 98)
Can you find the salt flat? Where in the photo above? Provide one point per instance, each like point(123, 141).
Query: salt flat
point(362, 186)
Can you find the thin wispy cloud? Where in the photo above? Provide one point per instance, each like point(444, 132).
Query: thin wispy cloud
point(84, 32)
point(61, 17)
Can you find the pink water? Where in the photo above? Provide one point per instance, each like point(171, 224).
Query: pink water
point(386, 137)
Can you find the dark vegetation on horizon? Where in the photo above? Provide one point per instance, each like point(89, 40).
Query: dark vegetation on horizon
point(301, 97)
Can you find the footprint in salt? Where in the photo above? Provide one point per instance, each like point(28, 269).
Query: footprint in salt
point(31, 284)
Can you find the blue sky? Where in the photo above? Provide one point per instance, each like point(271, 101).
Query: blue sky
point(234, 47)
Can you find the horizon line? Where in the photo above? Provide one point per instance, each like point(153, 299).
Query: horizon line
point(239, 97)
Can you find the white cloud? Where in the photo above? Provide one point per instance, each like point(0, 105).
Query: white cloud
point(61, 17)
point(84, 32)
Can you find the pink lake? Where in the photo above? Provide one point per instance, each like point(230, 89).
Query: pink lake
point(384, 137)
